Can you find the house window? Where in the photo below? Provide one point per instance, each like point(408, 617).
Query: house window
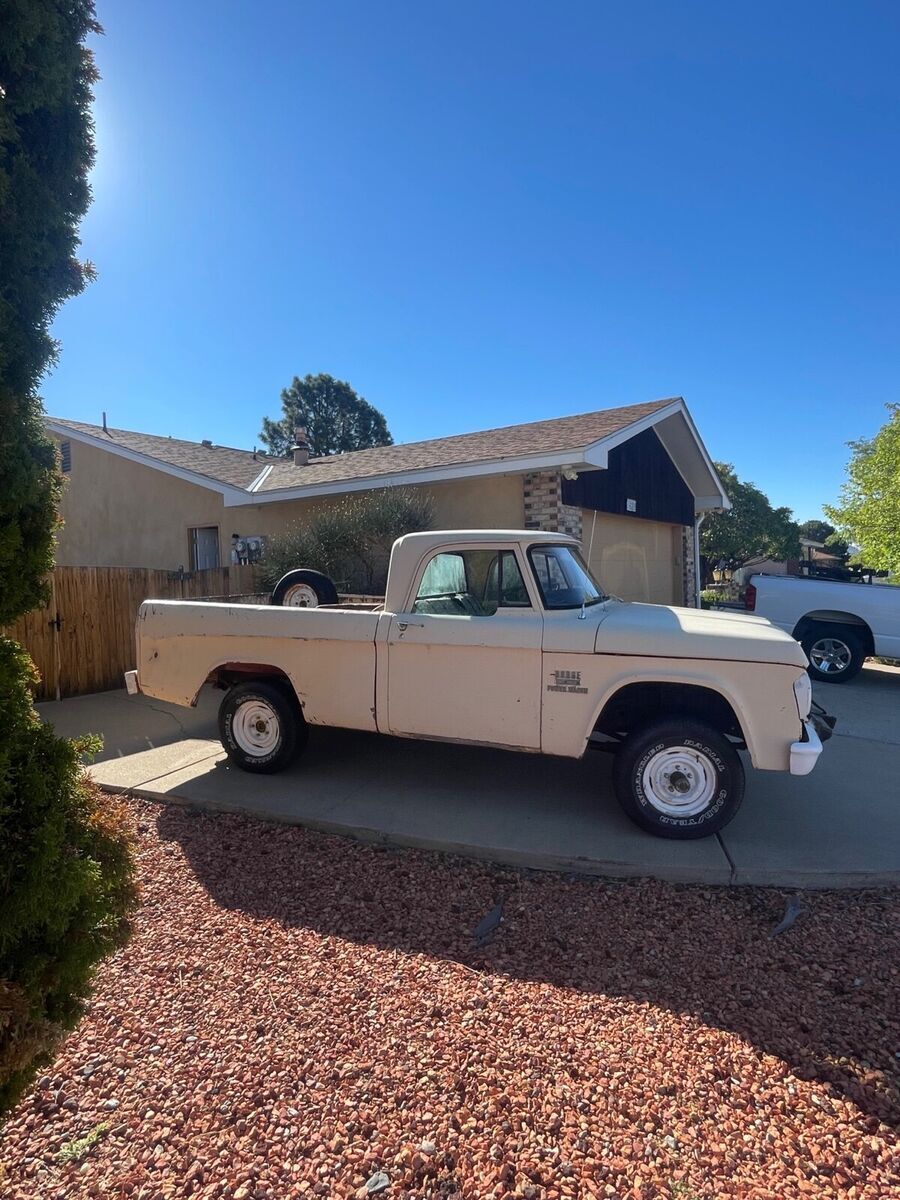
point(204, 543)
point(65, 457)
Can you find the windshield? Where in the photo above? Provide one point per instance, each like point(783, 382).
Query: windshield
point(562, 577)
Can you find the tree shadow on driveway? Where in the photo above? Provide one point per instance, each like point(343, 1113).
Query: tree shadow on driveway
point(822, 996)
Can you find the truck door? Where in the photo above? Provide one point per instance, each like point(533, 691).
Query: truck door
point(464, 663)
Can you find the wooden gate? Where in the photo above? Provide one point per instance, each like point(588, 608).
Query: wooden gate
point(83, 641)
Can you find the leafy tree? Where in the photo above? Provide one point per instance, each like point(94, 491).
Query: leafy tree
point(46, 151)
point(821, 531)
point(351, 539)
point(869, 510)
point(749, 528)
point(66, 875)
point(335, 417)
point(816, 531)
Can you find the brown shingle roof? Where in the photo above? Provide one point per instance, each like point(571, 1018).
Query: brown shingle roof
point(489, 445)
point(239, 467)
point(221, 463)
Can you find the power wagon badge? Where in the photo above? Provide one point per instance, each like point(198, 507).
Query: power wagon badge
point(566, 681)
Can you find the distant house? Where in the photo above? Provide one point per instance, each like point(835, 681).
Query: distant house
point(629, 482)
point(814, 556)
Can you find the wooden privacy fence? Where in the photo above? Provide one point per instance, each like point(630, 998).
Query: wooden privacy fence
point(83, 641)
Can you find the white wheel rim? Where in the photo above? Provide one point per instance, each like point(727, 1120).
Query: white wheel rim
point(679, 781)
point(301, 595)
point(255, 728)
point(830, 655)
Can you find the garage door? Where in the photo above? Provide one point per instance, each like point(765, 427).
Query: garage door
point(633, 558)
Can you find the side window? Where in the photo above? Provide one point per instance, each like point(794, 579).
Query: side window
point(548, 571)
point(471, 583)
point(204, 547)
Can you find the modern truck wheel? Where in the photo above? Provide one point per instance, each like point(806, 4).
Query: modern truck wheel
point(835, 653)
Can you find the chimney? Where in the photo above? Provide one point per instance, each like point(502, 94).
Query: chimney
point(300, 448)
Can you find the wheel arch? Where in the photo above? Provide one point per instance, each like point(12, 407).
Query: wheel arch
point(629, 702)
point(229, 672)
point(833, 616)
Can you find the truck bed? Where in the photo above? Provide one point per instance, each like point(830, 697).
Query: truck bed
point(328, 654)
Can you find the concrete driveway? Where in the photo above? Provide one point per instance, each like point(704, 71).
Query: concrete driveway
point(838, 827)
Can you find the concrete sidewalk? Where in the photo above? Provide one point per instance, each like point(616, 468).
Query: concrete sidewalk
point(838, 827)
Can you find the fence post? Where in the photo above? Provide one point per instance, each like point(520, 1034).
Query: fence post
point(55, 623)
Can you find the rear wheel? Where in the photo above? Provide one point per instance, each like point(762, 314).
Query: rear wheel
point(261, 727)
point(835, 654)
point(679, 778)
point(303, 588)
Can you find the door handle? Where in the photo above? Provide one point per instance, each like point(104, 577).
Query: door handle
point(404, 625)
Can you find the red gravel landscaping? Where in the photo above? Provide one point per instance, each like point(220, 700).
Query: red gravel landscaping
point(299, 1014)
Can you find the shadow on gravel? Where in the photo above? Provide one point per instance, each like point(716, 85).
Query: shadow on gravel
point(822, 996)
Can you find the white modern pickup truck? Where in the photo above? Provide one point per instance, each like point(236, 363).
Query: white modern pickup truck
point(839, 625)
point(503, 638)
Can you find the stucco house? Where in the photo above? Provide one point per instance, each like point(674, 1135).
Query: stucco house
point(631, 482)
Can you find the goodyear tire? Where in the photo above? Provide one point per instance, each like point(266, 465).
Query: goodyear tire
point(261, 727)
point(679, 778)
point(303, 588)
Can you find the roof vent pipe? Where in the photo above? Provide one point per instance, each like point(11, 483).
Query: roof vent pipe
point(300, 448)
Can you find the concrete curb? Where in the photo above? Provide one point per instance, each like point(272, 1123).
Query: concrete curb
point(546, 861)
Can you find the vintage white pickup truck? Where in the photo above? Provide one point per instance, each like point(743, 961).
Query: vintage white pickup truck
point(503, 638)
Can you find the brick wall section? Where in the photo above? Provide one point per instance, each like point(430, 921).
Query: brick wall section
point(688, 573)
point(544, 509)
point(570, 520)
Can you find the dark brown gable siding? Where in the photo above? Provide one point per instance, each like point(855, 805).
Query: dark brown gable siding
point(641, 470)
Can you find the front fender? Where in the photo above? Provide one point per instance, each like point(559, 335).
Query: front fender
point(760, 695)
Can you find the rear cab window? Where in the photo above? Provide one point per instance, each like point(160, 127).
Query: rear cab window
point(471, 583)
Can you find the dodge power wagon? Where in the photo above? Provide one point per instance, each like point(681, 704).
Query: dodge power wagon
point(504, 639)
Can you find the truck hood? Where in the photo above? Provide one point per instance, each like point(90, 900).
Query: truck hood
point(658, 630)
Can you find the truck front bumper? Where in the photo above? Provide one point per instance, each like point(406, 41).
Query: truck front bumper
point(132, 687)
point(805, 753)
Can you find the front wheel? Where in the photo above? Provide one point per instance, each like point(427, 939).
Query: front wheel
point(261, 727)
point(679, 779)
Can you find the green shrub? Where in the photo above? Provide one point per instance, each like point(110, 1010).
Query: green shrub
point(351, 540)
point(66, 879)
point(709, 597)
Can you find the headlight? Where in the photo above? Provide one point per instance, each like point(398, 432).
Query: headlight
point(803, 695)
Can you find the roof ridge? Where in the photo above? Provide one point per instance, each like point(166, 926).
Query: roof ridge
point(647, 406)
point(163, 437)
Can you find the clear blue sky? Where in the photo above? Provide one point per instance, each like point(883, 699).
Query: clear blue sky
point(484, 213)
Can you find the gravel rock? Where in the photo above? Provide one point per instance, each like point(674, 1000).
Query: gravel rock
point(298, 1015)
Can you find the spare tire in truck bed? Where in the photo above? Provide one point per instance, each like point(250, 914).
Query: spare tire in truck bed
point(303, 588)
